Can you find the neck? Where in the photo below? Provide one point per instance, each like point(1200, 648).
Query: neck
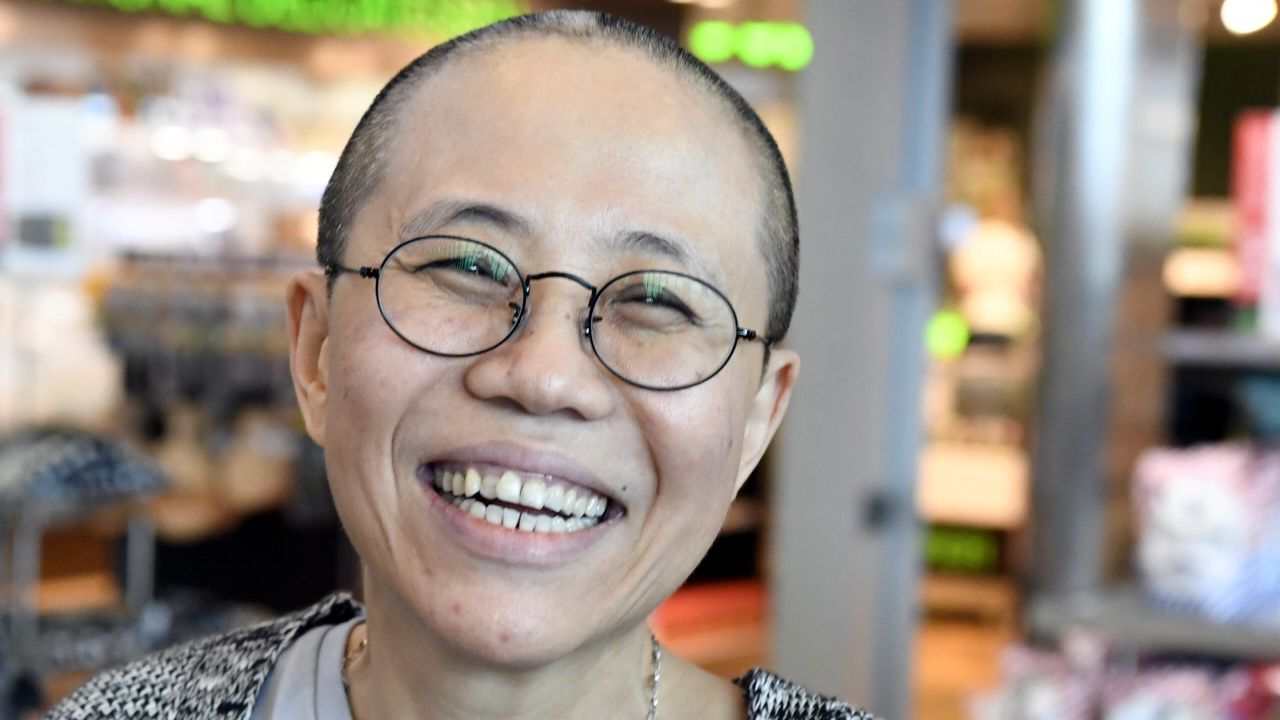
point(407, 670)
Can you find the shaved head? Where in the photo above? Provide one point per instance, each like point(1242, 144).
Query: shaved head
point(364, 160)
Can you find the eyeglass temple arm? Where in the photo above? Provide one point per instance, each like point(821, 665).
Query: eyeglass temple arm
point(749, 335)
point(363, 271)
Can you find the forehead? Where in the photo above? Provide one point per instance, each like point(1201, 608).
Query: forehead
point(583, 141)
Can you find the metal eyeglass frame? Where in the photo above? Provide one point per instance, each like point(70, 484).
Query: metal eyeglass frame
point(526, 284)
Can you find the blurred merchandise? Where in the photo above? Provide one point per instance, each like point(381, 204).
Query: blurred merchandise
point(1253, 693)
point(1171, 693)
point(206, 329)
point(1209, 531)
point(1063, 683)
point(974, 480)
point(1256, 191)
point(960, 550)
point(1038, 685)
point(55, 364)
point(995, 270)
point(1251, 193)
point(44, 185)
point(1259, 397)
point(1205, 263)
point(56, 476)
point(984, 485)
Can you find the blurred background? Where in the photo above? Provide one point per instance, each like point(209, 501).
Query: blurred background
point(1031, 469)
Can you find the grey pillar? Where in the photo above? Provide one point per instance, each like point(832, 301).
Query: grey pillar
point(28, 533)
point(874, 109)
point(140, 565)
point(1081, 207)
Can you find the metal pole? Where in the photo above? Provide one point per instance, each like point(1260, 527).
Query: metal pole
point(26, 580)
point(1081, 208)
point(874, 107)
point(140, 565)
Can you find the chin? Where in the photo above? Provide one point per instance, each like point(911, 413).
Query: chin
point(511, 626)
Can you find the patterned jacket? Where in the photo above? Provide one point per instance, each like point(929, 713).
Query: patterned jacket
point(218, 678)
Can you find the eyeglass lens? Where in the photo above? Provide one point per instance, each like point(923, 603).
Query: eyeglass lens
point(458, 297)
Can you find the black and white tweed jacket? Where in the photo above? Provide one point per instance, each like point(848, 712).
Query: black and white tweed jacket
point(219, 678)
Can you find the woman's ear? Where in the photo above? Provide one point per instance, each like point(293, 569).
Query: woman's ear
point(767, 409)
point(308, 307)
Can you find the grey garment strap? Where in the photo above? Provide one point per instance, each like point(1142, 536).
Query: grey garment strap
point(306, 682)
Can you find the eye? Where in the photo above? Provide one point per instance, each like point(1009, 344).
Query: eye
point(658, 301)
point(656, 297)
point(482, 263)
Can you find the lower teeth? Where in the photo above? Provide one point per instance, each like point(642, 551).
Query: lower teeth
point(525, 521)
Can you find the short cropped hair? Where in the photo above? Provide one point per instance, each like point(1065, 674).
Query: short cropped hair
point(361, 166)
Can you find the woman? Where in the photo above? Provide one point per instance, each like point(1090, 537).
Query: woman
point(557, 255)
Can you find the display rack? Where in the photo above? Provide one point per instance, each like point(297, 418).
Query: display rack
point(1221, 349)
point(1129, 623)
point(1124, 617)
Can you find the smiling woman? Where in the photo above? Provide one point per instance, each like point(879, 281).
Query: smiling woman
point(537, 414)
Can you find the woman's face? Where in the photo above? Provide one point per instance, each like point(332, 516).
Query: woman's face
point(550, 151)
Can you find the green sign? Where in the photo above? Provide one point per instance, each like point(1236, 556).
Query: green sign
point(334, 17)
point(962, 550)
point(758, 44)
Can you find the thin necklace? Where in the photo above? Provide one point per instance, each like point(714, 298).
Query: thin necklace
point(657, 674)
point(359, 649)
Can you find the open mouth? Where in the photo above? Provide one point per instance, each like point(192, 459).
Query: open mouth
point(529, 503)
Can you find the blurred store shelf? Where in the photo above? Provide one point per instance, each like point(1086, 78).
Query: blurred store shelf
point(979, 485)
point(1128, 623)
point(991, 601)
point(1221, 349)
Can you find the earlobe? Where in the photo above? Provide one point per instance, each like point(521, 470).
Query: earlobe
point(308, 305)
point(767, 409)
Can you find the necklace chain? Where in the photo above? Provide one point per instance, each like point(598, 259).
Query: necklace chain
point(657, 674)
point(359, 649)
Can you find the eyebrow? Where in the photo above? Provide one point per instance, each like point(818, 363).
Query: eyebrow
point(673, 248)
point(446, 212)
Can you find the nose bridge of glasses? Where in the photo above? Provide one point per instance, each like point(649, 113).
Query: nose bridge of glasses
point(528, 285)
point(528, 281)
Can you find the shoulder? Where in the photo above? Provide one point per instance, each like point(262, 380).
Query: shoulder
point(770, 697)
point(215, 677)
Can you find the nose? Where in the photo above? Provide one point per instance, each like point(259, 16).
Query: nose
point(547, 367)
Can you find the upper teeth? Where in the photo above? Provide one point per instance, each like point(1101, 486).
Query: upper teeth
point(532, 492)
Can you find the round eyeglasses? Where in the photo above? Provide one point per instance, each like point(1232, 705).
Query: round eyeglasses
point(457, 297)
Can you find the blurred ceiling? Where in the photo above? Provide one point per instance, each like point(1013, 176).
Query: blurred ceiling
point(978, 22)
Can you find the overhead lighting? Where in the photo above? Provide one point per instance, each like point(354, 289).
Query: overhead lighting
point(1242, 17)
point(213, 144)
point(215, 215)
point(171, 142)
point(1202, 273)
point(787, 46)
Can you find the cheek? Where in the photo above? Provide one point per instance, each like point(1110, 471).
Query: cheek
point(695, 442)
point(362, 392)
point(376, 384)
